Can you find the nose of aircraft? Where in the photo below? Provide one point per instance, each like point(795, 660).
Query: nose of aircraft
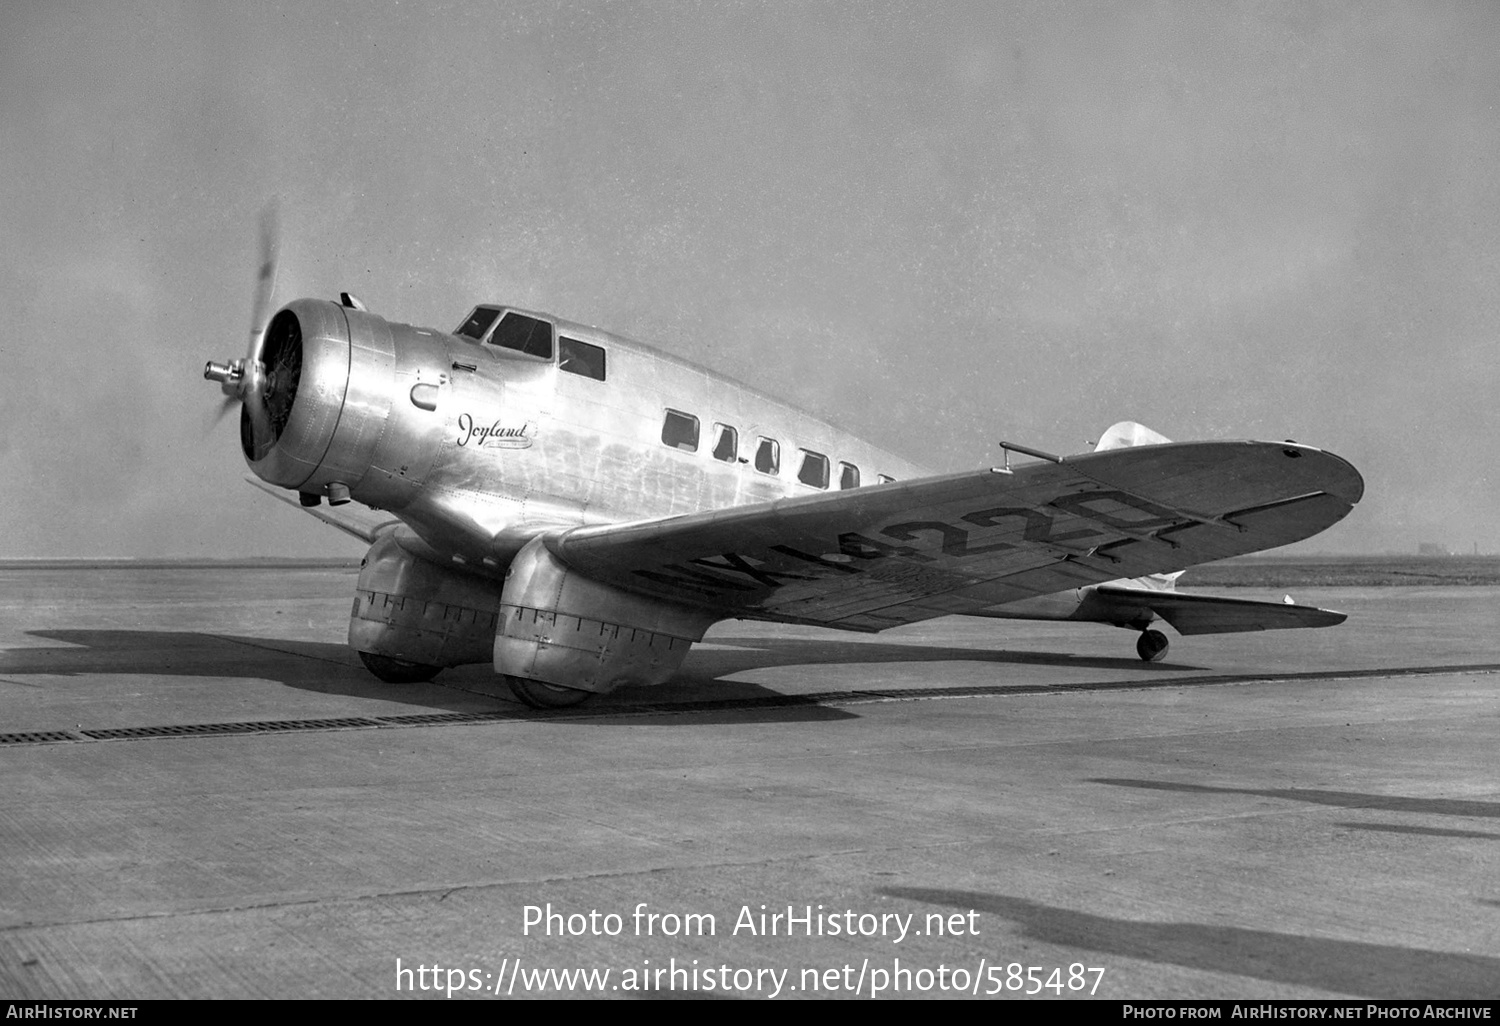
point(305, 356)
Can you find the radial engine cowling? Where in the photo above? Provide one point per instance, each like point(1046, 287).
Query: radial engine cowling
point(330, 373)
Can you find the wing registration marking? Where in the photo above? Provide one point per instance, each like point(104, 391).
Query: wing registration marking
point(1083, 522)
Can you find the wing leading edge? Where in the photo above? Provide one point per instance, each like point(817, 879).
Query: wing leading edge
point(876, 557)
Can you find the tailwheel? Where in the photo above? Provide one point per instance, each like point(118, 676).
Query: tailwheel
point(397, 671)
point(545, 696)
point(1151, 646)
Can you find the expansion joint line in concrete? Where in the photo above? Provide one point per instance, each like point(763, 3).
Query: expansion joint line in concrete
point(443, 893)
point(813, 700)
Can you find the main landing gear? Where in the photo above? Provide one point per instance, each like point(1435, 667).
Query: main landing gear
point(545, 696)
point(397, 671)
point(1151, 645)
point(532, 692)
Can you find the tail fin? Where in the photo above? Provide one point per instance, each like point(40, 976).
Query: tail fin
point(1124, 435)
point(1128, 433)
point(1151, 582)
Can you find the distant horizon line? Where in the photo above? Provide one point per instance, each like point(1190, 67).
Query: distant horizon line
point(102, 562)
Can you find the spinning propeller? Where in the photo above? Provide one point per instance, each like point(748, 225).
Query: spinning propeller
point(263, 393)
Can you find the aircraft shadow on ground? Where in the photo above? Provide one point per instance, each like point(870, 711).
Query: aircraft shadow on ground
point(706, 675)
point(333, 669)
point(305, 665)
point(1342, 966)
point(756, 653)
point(1337, 799)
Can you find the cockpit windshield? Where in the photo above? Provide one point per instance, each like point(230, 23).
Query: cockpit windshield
point(479, 322)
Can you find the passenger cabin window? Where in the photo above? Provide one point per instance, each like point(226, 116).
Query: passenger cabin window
point(525, 335)
point(884, 478)
point(479, 322)
point(768, 456)
point(726, 443)
point(814, 469)
point(848, 475)
point(680, 431)
point(580, 358)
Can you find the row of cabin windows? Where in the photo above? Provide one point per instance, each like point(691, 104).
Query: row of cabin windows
point(680, 431)
point(533, 336)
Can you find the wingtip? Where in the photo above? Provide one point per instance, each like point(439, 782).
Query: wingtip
point(1337, 476)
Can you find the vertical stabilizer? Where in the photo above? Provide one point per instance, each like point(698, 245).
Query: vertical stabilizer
point(1124, 435)
point(1128, 433)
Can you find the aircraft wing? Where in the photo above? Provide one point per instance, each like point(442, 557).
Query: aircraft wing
point(876, 557)
point(1203, 614)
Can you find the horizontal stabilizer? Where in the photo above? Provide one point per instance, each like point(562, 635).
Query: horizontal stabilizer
point(1202, 614)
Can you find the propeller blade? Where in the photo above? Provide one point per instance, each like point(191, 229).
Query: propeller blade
point(253, 381)
point(265, 278)
point(216, 418)
point(247, 380)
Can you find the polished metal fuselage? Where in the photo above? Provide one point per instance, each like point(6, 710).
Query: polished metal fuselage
point(479, 448)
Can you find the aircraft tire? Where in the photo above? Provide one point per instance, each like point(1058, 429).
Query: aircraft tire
point(545, 696)
point(1151, 646)
point(397, 671)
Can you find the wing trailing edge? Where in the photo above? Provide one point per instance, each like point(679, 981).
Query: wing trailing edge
point(1200, 614)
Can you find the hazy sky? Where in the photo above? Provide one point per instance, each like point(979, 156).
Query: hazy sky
point(938, 224)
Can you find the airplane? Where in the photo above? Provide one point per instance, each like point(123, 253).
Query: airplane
point(577, 509)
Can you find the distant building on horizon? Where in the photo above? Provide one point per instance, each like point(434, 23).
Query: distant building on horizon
point(1432, 549)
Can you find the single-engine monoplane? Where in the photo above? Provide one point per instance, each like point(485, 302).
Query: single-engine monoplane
point(577, 509)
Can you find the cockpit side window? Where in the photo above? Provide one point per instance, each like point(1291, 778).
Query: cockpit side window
point(479, 322)
point(524, 335)
point(580, 358)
